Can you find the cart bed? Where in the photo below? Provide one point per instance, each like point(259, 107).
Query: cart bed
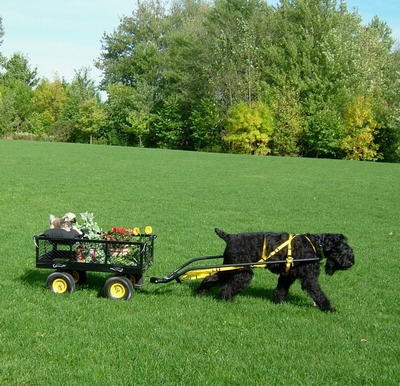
point(125, 257)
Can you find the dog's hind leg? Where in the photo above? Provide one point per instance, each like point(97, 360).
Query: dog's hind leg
point(282, 289)
point(312, 287)
point(236, 283)
point(208, 283)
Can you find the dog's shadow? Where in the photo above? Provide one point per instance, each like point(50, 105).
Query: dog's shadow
point(266, 294)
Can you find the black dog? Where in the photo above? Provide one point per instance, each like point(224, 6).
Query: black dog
point(306, 250)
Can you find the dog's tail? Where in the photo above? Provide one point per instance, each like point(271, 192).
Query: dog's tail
point(224, 236)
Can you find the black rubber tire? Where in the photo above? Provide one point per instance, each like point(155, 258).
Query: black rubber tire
point(118, 288)
point(60, 283)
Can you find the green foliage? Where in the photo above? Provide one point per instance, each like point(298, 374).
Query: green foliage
point(138, 124)
point(206, 124)
point(249, 128)
point(167, 130)
point(324, 135)
point(91, 118)
point(16, 105)
point(50, 96)
point(40, 122)
point(172, 76)
point(359, 128)
point(289, 122)
point(17, 68)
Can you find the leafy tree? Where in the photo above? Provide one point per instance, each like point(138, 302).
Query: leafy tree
point(17, 68)
point(249, 128)
point(206, 123)
point(233, 39)
point(91, 118)
point(134, 51)
point(83, 114)
point(16, 82)
point(360, 127)
point(15, 105)
point(167, 129)
point(51, 97)
point(120, 102)
point(324, 135)
point(289, 122)
point(138, 124)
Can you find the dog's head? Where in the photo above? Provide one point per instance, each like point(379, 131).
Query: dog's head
point(337, 251)
point(69, 217)
point(66, 222)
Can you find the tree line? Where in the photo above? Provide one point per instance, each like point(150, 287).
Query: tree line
point(302, 78)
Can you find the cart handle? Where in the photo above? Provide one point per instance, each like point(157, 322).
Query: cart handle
point(177, 273)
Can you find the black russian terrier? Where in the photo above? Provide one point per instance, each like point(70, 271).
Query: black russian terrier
point(299, 257)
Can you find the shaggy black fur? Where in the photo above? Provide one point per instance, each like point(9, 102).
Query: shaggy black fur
point(247, 248)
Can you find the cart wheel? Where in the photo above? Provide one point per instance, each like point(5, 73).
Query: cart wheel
point(118, 288)
point(60, 282)
point(80, 277)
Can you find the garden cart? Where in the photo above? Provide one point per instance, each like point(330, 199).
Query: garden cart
point(72, 258)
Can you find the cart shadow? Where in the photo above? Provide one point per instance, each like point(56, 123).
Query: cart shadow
point(33, 278)
point(254, 292)
point(37, 279)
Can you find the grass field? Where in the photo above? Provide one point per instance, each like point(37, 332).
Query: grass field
point(165, 335)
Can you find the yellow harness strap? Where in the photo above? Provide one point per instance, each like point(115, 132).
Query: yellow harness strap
point(289, 258)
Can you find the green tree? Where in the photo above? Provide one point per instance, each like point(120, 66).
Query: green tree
point(83, 115)
point(234, 32)
point(50, 96)
point(138, 125)
point(15, 106)
point(167, 128)
point(134, 51)
point(90, 119)
point(289, 122)
point(249, 128)
point(120, 102)
point(17, 68)
point(16, 82)
point(359, 128)
point(206, 124)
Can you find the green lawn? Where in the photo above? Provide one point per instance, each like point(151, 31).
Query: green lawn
point(165, 335)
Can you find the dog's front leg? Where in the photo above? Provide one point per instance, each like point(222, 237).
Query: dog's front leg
point(236, 283)
point(282, 289)
point(311, 286)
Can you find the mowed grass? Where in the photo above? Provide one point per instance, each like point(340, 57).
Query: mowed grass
point(165, 335)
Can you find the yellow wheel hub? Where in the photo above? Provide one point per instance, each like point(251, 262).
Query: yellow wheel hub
point(117, 290)
point(59, 286)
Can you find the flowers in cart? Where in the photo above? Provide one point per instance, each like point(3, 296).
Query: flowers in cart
point(118, 248)
point(120, 252)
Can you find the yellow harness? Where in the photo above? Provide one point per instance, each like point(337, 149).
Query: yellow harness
point(202, 273)
point(289, 257)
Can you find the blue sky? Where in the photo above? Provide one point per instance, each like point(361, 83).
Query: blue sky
point(60, 36)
